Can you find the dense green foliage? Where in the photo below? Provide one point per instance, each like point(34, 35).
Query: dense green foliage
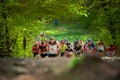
point(22, 20)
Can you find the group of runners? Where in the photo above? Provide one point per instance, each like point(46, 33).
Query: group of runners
point(54, 48)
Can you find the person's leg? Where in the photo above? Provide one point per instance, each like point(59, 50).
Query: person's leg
point(113, 53)
point(35, 53)
point(100, 53)
point(48, 54)
point(68, 54)
point(43, 55)
point(77, 54)
point(107, 53)
point(103, 53)
point(62, 54)
point(81, 54)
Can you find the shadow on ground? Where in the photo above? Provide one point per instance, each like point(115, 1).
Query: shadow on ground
point(91, 68)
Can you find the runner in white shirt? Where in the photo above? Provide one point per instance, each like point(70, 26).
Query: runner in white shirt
point(52, 48)
point(101, 48)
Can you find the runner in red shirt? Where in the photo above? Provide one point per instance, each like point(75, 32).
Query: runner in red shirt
point(111, 50)
point(43, 49)
point(35, 50)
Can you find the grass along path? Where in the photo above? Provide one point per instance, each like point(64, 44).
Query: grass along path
point(69, 31)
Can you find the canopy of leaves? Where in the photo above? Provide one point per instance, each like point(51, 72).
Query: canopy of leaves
point(27, 18)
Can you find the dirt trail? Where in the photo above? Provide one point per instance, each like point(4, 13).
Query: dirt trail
point(31, 69)
point(54, 69)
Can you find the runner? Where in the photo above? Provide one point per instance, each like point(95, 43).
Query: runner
point(90, 46)
point(43, 37)
point(76, 42)
point(111, 50)
point(52, 48)
point(43, 49)
point(78, 49)
point(35, 50)
point(69, 52)
point(101, 47)
point(62, 48)
point(85, 47)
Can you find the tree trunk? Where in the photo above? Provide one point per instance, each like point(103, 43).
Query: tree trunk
point(7, 50)
point(24, 43)
point(112, 31)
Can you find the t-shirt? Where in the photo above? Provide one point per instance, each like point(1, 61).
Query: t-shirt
point(52, 49)
point(34, 49)
point(101, 48)
point(43, 47)
point(113, 48)
point(62, 48)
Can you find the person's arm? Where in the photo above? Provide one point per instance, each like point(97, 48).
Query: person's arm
point(39, 49)
point(66, 51)
point(58, 48)
point(47, 47)
point(33, 49)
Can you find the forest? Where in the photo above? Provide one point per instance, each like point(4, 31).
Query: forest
point(23, 20)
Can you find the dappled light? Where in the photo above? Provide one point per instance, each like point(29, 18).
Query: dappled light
point(59, 39)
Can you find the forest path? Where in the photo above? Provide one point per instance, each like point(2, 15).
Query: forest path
point(40, 68)
point(32, 68)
